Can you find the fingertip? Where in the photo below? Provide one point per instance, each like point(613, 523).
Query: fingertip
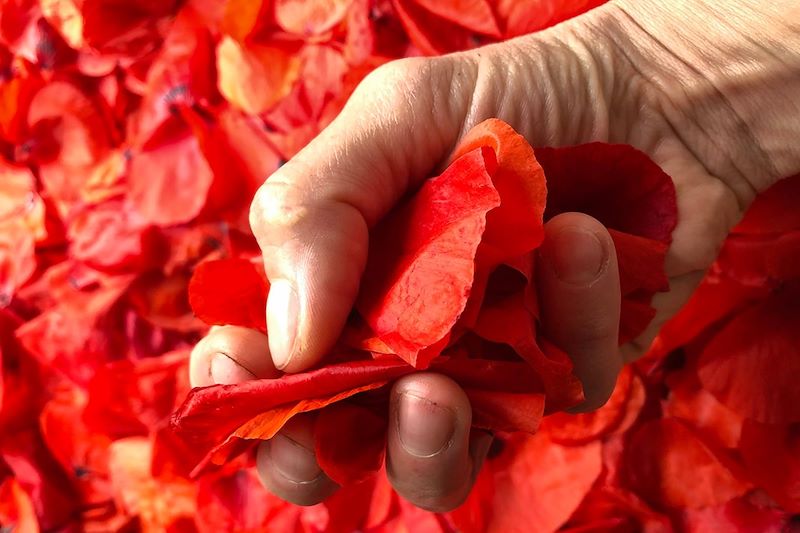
point(314, 283)
point(288, 467)
point(429, 460)
point(427, 405)
point(577, 248)
point(228, 355)
point(579, 288)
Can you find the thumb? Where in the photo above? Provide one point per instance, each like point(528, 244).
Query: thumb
point(311, 218)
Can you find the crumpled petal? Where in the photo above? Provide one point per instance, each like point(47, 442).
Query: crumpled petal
point(533, 485)
point(761, 341)
point(772, 457)
point(431, 240)
point(241, 303)
point(671, 466)
point(254, 77)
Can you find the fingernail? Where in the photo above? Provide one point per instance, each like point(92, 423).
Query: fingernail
point(292, 460)
point(225, 371)
point(282, 315)
point(576, 255)
point(423, 427)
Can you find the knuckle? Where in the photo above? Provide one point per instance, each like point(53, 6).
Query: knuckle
point(393, 84)
point(396, 72)
point(278, 205)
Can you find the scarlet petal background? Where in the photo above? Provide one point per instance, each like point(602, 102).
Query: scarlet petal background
point(132, 137)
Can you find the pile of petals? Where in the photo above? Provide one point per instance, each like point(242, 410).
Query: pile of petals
point(449, 286)
point(132, 137)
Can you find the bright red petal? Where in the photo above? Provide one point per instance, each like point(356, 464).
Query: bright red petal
point(690, 402)
point(209, 415)
point(536, 485)
point(753, 364)
point(574, 429)
point(169, 181)
point(739, 514)
point(230, 291)
point(774, 211)
point(520, 17)
point(475, 15)
point(772, 457)
point(615, 183)
point(506, 411)
point(428, 242)
point(430, 33)
point(350, 441)
point(670, 466)
point(516, 227)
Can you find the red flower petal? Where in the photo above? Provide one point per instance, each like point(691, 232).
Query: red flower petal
point(508, 322)
point(170, 499)
point(237, 501)
point(716, 299)
point(690, 402)
point(739, 514)
point(515, 228)
point(753, 364)
point(310, 17)
point(127, 29)
point(111, 236)
point(615, 183)
point(670, 466)
point(210, 414)
point(773, 211)
point(521, 17)
point(52, 493)
point(230, 291)
point(267, 424)
point(429, 241)
point(254, 77)
point(641, 263)
point(240, 157)
point(784, 261)
point(349, 442)
point(581, 428)
point(475, 15)
point(533, 485)
point(214, 420)
point(506, 411)
point(242, 17)
point(16, 507)
point(758, 260)
point(614, 509)
point(169, 181)
point(772, 458)
point(433, 35)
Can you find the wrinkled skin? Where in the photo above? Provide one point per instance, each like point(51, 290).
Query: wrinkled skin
point(624, 73)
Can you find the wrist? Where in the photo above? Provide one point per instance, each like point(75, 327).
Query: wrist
point(727, 76)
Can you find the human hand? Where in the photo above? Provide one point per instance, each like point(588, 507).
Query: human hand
point(582, 81)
